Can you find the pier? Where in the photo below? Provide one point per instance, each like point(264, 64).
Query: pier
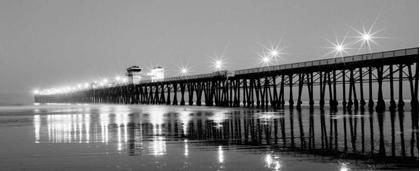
point(353, 82)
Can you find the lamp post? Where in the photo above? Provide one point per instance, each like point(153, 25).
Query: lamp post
point(218, 65)
point(184, 71)
point(339, 50)
point(366, 38)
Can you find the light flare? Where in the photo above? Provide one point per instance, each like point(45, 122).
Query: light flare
point(271, 54)
point(366, 38)
point(274, 53)
point(218, 61)
point(339, 47)
point(36, 91)
point(184, 69)
point(266, 59)
point(218, 64)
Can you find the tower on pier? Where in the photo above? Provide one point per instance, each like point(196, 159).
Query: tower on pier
point(157, 74)
point(133, 74)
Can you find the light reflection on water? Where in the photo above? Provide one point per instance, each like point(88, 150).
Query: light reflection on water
point(273, 162)
point(272, 135)
point(185, 118)
point(37, 125)
point(344, 167)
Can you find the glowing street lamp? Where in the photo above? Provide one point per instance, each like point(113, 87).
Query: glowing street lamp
point(266, 59)
point(271, 53)
point(218, 65)
point(118, 78)
point(184, 71)
point(218, 61)
point(274, 53)
point(124, 80)
point(339, 48)
point(366, 37)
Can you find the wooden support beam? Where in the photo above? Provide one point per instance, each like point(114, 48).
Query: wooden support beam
point(275, 102)
point(392, 105)
point(371, 103)
point(344, 87)
point(400, 94)
point(175, 99)
point(380, 106)
point(301, 80)
point(291, 91)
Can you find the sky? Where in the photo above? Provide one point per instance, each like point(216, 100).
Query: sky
point(59, 43)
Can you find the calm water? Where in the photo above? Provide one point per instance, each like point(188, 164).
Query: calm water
point(119, 137)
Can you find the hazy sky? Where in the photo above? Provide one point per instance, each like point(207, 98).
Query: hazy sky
point(55, 43)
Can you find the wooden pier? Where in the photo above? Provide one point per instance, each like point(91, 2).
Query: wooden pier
point(356, 81)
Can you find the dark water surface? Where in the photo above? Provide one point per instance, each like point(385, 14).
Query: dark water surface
point(118, 137)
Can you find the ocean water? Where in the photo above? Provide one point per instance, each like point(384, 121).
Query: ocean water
point(156, 137)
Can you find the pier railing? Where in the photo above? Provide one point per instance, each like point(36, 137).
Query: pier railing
point(333, 61)
point(223, 73)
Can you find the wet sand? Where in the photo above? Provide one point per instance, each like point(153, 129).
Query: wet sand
point(118, 137)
